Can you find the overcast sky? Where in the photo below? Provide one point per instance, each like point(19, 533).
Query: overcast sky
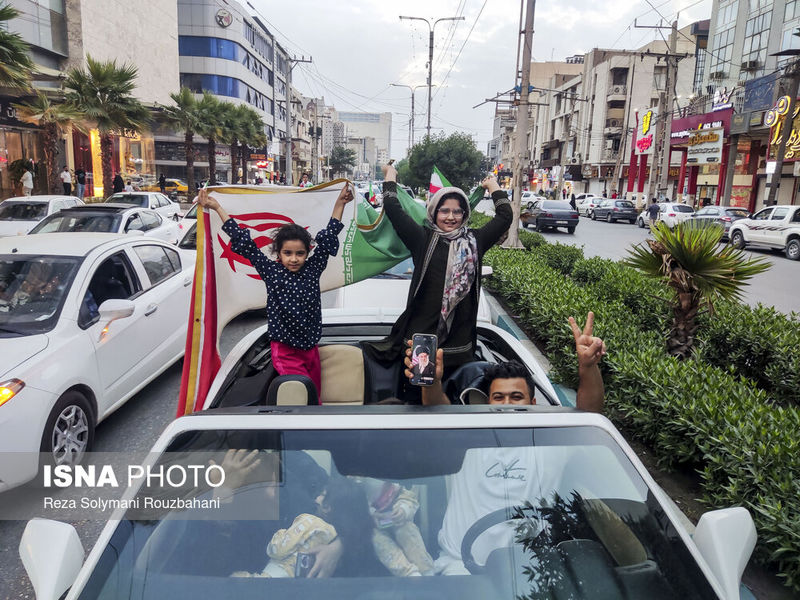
point(359, 47)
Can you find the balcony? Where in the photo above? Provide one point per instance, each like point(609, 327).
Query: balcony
point(608, 156)
point(617, 92)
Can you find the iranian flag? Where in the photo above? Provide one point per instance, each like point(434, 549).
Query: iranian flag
point(438, 181)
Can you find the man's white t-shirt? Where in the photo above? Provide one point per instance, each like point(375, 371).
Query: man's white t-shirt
point(27, 179)
point(492, 479)
point(66, 177)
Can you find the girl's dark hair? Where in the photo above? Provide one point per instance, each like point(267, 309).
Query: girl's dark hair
point(289, 232)
point(461, 202)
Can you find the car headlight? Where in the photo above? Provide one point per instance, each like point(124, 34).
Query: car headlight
point(9, 389)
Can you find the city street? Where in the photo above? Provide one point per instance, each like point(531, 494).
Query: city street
point(778, 287)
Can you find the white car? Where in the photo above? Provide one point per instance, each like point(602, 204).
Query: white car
point(671, 213)
point(109, 217)
point(86, 321)
point(19, 215)
point(514, 500)
point(585, 203)
point(775, 227)
point(188, 221)
point(152, 200)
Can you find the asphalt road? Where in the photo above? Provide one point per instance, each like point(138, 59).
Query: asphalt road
point(778, 287)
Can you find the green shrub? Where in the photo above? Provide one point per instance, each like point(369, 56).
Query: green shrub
point(531, 239)
point(709, 412)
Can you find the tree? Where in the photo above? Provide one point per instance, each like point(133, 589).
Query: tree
point(252, 135)
point(185, 117)
point(211, 118)
point(341, 160)
point(53, 119)
point(455, 155)
point(103, 92)
point(690, 262)
point(15, 60)
point(233, 128)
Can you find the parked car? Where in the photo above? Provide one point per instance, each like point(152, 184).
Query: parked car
point(720, 215)
point(672, 213)
point(152, 200)
point(189, 219)
point(615, 210)
point(19, 215)
point(110, 218)
point(585, 204)
point(775, 227)
point(596, 522)
point(550, 213)
point(86, 321)
point(173, 188)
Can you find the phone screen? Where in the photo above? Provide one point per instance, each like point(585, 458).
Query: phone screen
point(423, 358)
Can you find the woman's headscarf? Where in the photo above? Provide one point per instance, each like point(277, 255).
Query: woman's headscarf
point(462, 256)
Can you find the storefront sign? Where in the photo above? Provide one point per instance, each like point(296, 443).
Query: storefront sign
point(722, 99)
point(759, 94)
point(224, 18)
point(705, 147)
point(775, 119)
point(645, 132)
point(682, 128)
point(740, 123)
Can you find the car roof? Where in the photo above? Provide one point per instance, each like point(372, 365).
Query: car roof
point(99, 207)
point(35, 199)
point(60, 243)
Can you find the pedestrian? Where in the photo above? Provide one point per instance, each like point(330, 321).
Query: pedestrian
point(27, 182)
point(80, 182)
point(128, 187)
point(118, 184)
point(572, 202)
point(445, 284)
point(66, 180)
point(613, 194)
point(162, 183)
point(706, 202)
point(294, 310)
point(304, 182)
point(564, 194)
point(652, 213)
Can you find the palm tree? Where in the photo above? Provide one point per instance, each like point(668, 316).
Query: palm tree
point(103, 92)
point(54, 119)
point(691, 263)
point(233, 129)
point(184, 116)
point(15, 60)
point(212, 114)
point(252, 135)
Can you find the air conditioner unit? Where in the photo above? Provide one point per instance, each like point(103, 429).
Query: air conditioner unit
point(749, 65)
point(613, 123)
point(717, 75)
point(609, 144)
point(575, 160)
point(618, 89)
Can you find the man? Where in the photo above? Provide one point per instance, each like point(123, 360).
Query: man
point(509, 383)
point(304, 182)
point(652, 213)
point(27, 182)
point(80, 185)
point(162, 183)
point(423, 369)
point(66, 181)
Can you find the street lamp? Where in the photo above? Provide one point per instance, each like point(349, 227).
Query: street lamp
point(413, 89)
point(430, 53)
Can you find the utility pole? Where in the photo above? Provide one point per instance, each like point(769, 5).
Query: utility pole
point(292, 63)
point(431, 29)
point(413, 89)
point(521, 134)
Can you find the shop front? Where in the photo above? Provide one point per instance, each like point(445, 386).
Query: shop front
point(18, 140)
point(133, 157)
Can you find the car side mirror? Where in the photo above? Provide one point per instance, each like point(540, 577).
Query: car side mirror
point(114, 309)
point(726, 539)
point(52, 555)
point(486, 270)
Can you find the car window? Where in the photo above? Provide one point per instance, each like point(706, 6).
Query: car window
point(113, 279)
point(150, 220)
point(137, 199)
point(571, 494)
point(779, 213)
point(189, 240)
point(682, 208)
point(763, 214)
point(134, 223)
point(80, 222)
point(605, 203)
point(192, 214)
point(796, 218)
point(556, 205)
point(704, 212)
point(624, 204)
point(156, 262)
point(736, 212)
point(23, 211)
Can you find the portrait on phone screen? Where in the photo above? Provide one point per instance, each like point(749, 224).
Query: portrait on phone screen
point(423, 366)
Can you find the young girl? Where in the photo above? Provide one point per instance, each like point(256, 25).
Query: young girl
point(294, 310)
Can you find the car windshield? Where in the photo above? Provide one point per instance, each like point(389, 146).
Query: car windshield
point(189, 240)
point(32, 292)
point(23, 211)
point(682, 208)
point(136, 199)
point(624, 204)
point(87, 222)
point(556, 205)
point(482, 513)
point(192, 214)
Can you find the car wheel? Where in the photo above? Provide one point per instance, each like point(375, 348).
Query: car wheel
point(69, 431)
point(592, 216)
point(737, 240)
point(609, 219)
point(539, 227)
point(570, 230)
point(632, 221)
point(793, 249)
point(640, 222)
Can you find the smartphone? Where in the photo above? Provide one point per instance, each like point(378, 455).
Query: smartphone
point(304, 563)
point(423, 358)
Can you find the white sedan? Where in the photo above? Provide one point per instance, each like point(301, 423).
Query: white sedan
point(110, 217)
point(86, 321)
point(152, 200)
point(19, 215)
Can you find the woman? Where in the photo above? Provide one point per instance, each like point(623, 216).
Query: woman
point(445, 286)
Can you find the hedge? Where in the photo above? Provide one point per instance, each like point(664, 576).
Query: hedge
point(728, 412)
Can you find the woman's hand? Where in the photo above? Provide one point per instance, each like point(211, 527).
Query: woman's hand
point(389, 172)
point(206, 201)
point(326, 559)
point(346, 195)
point(237, 465)
point(490, 184)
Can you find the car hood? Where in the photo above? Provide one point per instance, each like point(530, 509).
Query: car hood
point(369, 293)
point(16, 227)
point(18, 350)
